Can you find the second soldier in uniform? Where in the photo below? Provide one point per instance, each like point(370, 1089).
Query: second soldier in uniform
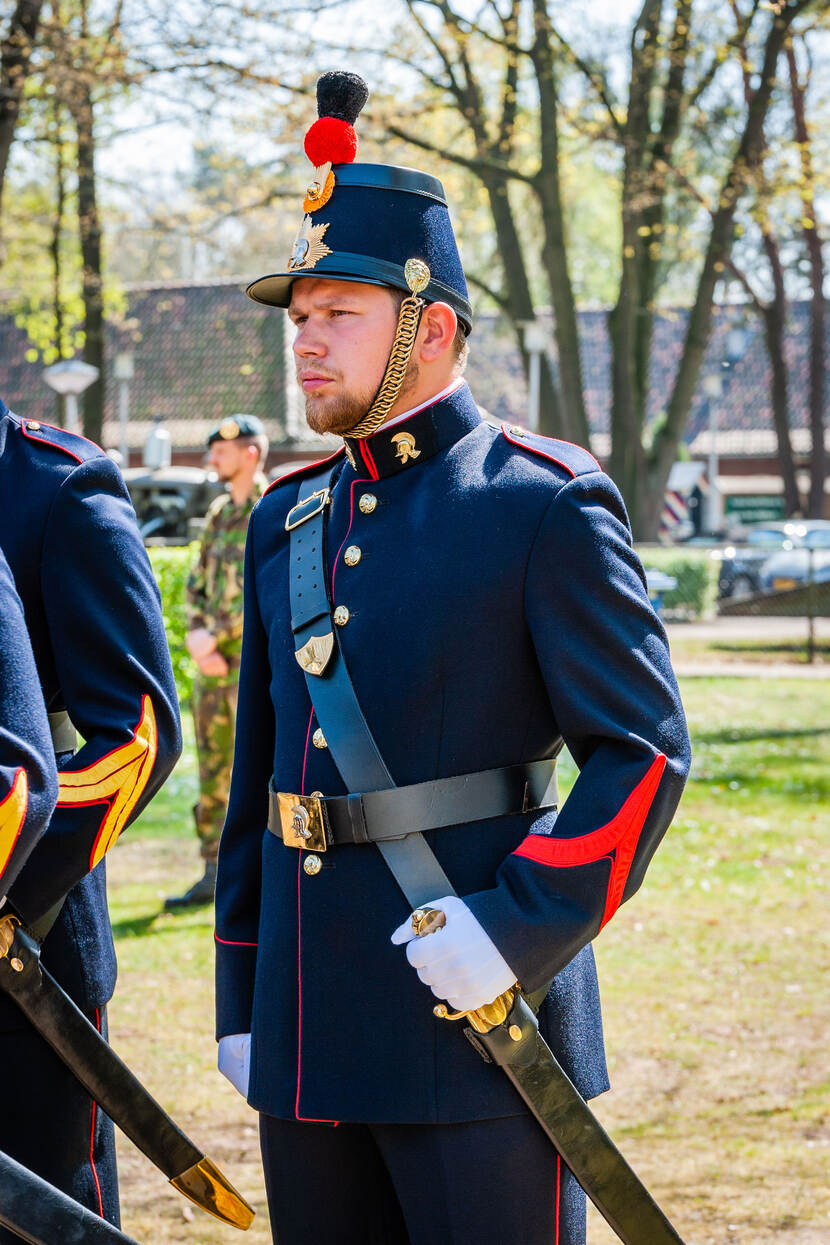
point(238, 449)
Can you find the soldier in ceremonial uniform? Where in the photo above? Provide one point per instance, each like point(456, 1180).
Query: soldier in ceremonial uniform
point(238, 450)
point(430, 614)
point(93, 612)
point(28, 776)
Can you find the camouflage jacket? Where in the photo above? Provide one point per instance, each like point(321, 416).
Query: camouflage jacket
point(214, 588)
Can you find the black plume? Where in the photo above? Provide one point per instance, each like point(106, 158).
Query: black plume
point(341, 95)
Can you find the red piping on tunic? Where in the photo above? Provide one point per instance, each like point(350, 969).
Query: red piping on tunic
point(368, 458)
point(31, 436)
point(534, 449)
point(226, 942)
point(301, 471)
point(620, 836)
point(359, 480)
point(92, 1137)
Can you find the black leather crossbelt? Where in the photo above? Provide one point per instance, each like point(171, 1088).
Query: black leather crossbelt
point(313, 822)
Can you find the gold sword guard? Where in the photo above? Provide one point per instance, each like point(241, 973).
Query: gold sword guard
point(426, 921)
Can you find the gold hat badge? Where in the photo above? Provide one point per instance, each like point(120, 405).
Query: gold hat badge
point(228, 429)
point(309, 247)
point(406, 446)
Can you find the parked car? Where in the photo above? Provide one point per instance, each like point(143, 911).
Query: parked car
point(790, 568)
point(740, 565)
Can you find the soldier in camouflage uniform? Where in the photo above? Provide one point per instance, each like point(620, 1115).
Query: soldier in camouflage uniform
point(238, 448)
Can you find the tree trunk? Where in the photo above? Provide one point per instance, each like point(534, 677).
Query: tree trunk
point(554, 252)
point(15, 57)
point(57, 231)
point(812, 241)
point(775, 328)
point(519, 299)
point(91, 281)
point(720, 242)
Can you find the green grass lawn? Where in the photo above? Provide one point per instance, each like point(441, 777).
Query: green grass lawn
point(714, 982)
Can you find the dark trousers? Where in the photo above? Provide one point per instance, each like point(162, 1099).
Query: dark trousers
point(51, 1125)
point(396, 1184)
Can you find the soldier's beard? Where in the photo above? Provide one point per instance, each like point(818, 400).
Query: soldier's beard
point(339, 415)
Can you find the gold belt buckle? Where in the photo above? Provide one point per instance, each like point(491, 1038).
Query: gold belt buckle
point(302, 821)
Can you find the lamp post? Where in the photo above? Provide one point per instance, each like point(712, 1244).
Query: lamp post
point(535, 343)
point(713, 388)
point(70, 378)
point(123, 371)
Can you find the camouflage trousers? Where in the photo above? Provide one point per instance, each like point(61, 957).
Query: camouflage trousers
point(214, 717)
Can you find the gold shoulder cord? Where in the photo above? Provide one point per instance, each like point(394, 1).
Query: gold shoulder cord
point(417, 278)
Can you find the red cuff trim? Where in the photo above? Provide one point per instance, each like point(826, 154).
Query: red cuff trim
point(621, 836)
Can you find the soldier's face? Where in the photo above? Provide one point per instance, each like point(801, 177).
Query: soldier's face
point(345, 331)
point(227, 458)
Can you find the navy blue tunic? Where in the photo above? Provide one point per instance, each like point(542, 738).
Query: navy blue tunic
point(93, 612)
point(28, 777)
point(497, 609)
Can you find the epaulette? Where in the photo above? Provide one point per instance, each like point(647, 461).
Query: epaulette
point(571, 458)
point(71, 443)
point(307, 469)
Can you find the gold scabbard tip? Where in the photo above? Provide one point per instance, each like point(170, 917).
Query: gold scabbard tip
point(205, 1185)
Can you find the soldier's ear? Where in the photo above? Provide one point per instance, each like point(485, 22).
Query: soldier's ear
point(437, 332)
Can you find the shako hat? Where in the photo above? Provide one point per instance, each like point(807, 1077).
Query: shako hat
point(377, 223)
point(236, 426)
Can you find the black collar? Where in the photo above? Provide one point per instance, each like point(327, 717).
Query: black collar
point(412, 441)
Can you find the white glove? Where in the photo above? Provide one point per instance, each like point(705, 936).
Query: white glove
point(234, 1060)
point(460, 963)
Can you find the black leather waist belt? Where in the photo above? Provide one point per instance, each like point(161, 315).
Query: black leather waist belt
point(313, 822)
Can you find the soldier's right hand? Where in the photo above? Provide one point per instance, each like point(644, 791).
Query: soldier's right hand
point(200, 643)
point(234, 1060)
point(214, 665)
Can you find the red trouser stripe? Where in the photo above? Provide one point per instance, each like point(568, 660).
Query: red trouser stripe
point(92, 1136)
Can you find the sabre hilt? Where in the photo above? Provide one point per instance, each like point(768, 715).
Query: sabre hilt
point(482, 1019)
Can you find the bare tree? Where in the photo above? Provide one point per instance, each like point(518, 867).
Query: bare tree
point(812, 242)
point(663, 104)
point(15, 62)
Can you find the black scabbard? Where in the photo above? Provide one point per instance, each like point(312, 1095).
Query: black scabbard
point(42, 1215)
point(111, 1083)
point(611, 1184)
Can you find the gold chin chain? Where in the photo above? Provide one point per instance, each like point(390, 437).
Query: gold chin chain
point(417, 278)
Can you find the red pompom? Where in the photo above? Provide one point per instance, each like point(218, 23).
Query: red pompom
point(331, 140)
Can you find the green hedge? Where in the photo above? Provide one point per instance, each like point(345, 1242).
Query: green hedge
point(171, 566)
point(696, 574)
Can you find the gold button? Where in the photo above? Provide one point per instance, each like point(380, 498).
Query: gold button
point(518, 431)
point(316, 795)
point(33, 426)
point(341, 616)
point(312, 865)
point(515, 1032)
point(17, 965)
point(367, 502)
point(319, 739)
point(352, 555)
